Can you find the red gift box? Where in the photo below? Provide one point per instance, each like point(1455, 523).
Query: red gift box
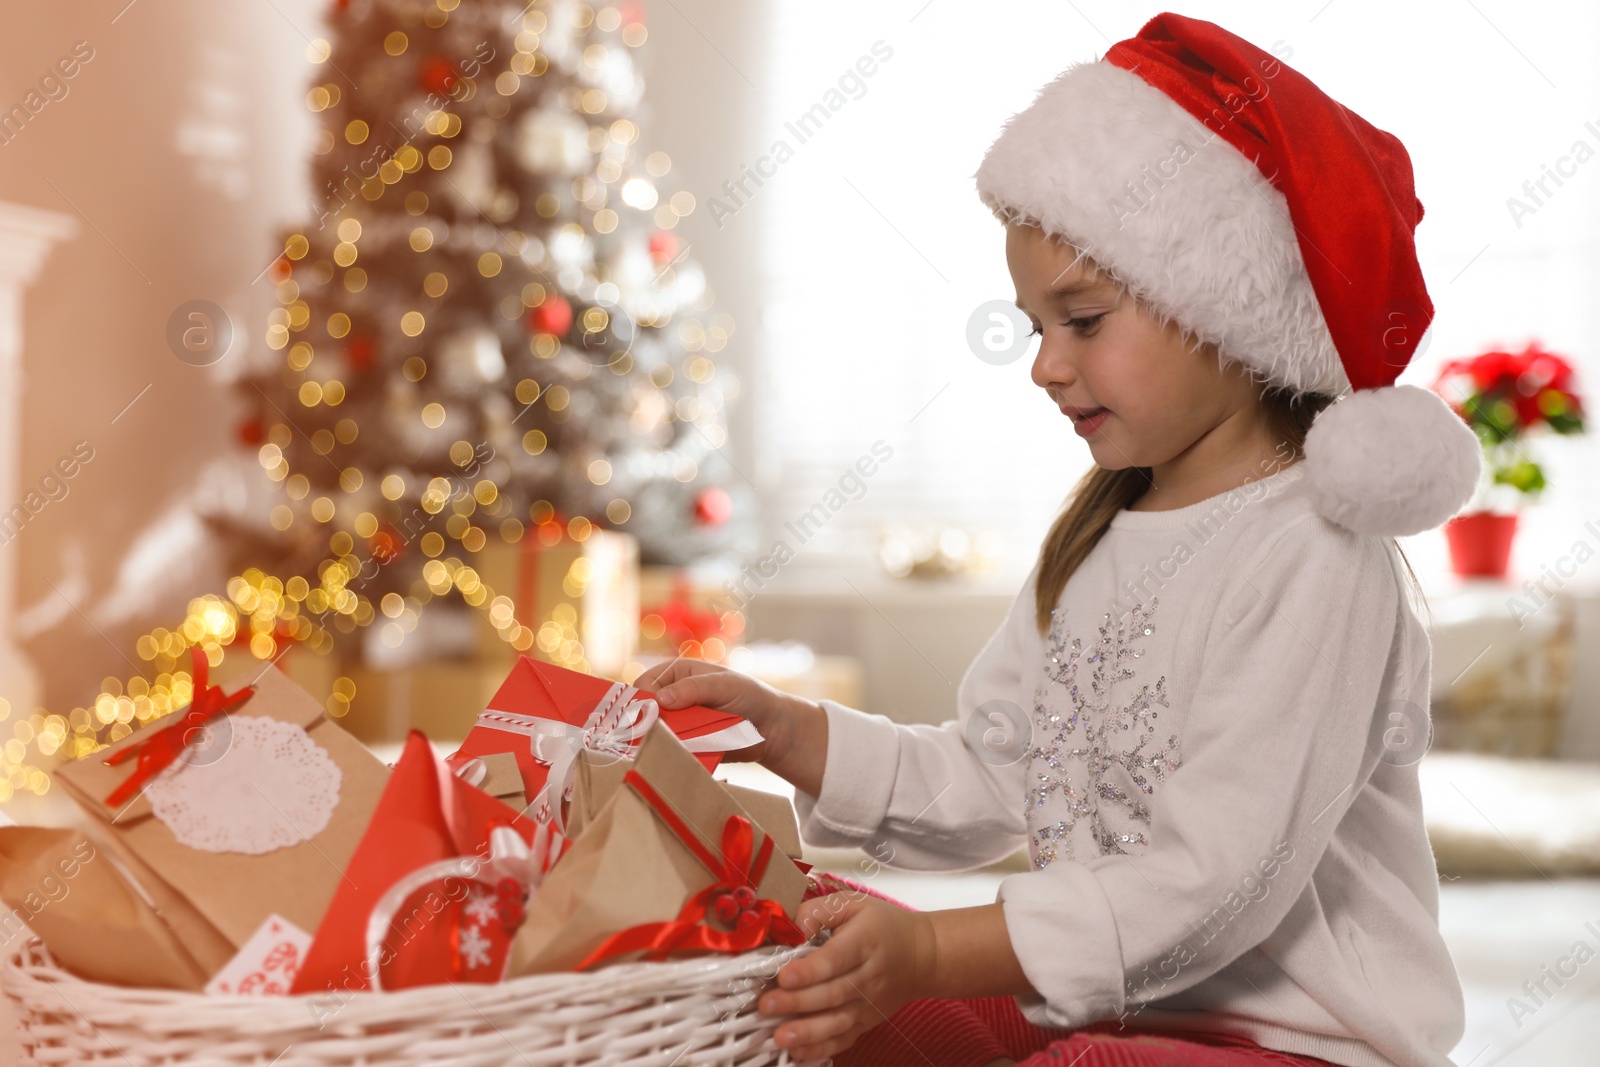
point(546, 714)
point(436, 888)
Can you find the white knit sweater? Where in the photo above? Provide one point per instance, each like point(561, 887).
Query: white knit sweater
point(1216, 783)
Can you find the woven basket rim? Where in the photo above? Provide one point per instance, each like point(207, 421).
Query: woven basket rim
point(30, 963)
point(636, 1014)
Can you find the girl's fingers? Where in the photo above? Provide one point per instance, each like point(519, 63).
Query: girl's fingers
point(831, 911)
point(711, 689)
point(812, 998)
point(826, 967)
point(814, 1029)
point(819, 1053)
point(663, 674)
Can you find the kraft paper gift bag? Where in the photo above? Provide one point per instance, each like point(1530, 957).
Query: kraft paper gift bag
point(670, 860)
point(256, 816)
point(425, 893)
point(599, 775)
point(90, 914)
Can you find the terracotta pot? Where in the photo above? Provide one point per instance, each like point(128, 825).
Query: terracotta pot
point(1480, 543)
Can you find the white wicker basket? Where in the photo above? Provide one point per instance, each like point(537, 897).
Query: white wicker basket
point(682, 1013)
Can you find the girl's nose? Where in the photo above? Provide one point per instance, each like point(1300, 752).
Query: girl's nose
point(1052, 365)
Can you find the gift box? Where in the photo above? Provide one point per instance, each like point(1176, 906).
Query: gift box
point(545, 715)
point(580, 598)
point(671, 864)
point(432, 894)
point(681, 613)
point(440, 699)
point(241, 810)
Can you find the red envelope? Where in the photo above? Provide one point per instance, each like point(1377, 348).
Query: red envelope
point(425, 816)
point(537, 691)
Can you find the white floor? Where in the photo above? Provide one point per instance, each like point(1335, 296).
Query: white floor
point(1502, 934)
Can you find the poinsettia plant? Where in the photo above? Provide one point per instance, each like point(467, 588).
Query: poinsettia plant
point(1505, 396)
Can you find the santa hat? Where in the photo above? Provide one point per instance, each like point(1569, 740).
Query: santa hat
point(1228, 193)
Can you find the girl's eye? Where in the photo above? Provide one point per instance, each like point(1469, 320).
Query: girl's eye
point(1085, 326)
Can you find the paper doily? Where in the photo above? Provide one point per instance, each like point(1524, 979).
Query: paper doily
point(271, 787)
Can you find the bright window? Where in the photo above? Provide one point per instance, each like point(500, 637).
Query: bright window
point(876, 249)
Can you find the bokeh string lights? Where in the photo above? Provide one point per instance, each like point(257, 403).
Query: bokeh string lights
point(487, 331)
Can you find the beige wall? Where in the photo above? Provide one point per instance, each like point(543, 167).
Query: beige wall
point(178, 145)
point(182, 145)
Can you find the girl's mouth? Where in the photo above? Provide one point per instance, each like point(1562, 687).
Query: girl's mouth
point(1086, 422)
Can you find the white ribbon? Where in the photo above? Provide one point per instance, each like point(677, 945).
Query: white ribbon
point(509, 857)
point(472, 771)
point(620, 718)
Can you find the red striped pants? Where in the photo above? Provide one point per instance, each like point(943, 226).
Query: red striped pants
point(975, 1032)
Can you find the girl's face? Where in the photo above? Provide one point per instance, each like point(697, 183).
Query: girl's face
point(1133, 388)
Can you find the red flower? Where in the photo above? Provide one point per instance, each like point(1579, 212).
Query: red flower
point(1534, 387)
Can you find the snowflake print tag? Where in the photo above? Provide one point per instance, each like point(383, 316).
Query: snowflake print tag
point(1097, 751)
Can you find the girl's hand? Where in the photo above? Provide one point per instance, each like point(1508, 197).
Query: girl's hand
point(879, 959)
point(780, 717)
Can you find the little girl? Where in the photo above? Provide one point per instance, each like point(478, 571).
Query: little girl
point(1203, 712)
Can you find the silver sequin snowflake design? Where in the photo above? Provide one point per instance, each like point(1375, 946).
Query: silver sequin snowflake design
point(1075, 752)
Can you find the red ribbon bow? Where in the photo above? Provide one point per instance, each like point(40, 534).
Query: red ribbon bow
point(161, 748)
point(731, 898)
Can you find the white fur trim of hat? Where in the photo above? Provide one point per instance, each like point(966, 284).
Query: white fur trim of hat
point(1192, 229)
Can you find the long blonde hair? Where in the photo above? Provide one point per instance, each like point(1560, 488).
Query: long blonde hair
point(1101, 493)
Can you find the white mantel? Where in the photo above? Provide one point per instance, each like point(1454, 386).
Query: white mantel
point(26, 237)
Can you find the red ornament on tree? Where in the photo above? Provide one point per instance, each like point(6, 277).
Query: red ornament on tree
point(251, 432)
point(438, 75)
point(663, 246)
point(360, 352)
point(632, 14)
point(387, 545)
point(713, 506)
point(554, 316)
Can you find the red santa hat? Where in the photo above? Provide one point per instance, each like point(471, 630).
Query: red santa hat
point(1228, 193)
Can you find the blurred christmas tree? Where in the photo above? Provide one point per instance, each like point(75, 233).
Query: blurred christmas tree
point(487, 324)
point(488, 332)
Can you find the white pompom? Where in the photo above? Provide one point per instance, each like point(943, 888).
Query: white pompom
point(1390, 462)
